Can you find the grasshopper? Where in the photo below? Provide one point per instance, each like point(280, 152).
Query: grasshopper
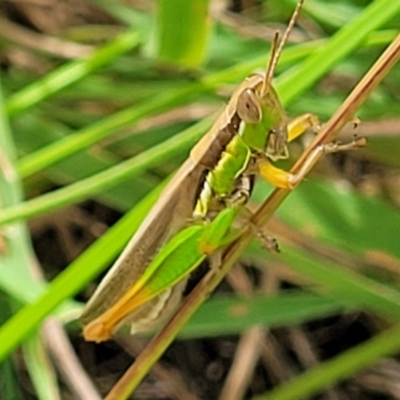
point(213, 185)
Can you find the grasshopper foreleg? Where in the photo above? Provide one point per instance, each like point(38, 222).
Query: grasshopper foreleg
point(295, 128)
point(299, 125)
point(286, 180)
point(328, 148)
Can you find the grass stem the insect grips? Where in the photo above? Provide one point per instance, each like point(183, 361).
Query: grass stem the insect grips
point(194, 217)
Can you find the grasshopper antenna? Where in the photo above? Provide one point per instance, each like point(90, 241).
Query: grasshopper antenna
point(276, 50)
point(271, 63)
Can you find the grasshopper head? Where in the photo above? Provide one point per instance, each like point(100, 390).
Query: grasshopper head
point(263, 126)
point(264, 123)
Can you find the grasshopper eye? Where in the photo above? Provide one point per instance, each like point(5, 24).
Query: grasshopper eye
point(248, 107)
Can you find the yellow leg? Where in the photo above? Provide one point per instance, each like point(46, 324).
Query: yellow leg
point(301, 124)
point(275, 176)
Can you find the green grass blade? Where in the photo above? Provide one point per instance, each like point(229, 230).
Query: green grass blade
point(339, 368)
point(353, 223)
point(8, 375)
point(40, 369)
point(80, 140)
point(343, 283)
point(74, 278)
point(346, 40)
point(16, 258)
point(95, 184)
point(183, 30)
point(223, 315)
point(69, 74)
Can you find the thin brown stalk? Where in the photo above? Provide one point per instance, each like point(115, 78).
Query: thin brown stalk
point(345, 113)
point(244, 364)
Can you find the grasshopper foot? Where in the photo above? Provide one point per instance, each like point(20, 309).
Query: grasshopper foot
point(269, 242)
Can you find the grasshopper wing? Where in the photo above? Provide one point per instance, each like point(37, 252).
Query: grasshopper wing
point(168, 216)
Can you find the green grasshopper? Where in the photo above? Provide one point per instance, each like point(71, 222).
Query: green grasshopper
point(194, 215)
